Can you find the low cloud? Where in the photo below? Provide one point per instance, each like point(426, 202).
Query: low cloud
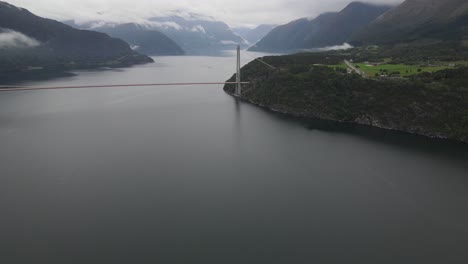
point(345, 46)
point(13, 39)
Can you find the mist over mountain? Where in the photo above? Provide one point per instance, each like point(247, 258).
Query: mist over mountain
point(198, 35)
point(327, 29)
point(28, 40)
point(419, 21)
point(252, 35)
point(194, 34)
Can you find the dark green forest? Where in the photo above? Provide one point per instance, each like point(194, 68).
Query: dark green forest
point(430, 104)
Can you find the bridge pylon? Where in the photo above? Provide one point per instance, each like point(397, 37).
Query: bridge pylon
point(238, 74)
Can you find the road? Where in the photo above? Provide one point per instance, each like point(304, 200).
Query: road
point(356, 70)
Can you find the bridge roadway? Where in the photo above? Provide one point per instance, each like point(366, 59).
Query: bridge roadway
point(25, 88)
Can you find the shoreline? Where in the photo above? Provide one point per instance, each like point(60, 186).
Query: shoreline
point(292, 114)
point(18, 77)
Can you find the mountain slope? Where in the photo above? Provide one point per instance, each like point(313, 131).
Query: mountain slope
point(144, 40)
point(419, 20)
point(291, 36)
point(59, 44)
point(347, 22)
point(328, 29)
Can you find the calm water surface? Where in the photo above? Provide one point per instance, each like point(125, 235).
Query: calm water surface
point(189, 175)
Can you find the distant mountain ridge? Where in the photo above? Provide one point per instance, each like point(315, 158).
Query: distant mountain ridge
point(145, 40)
point(59, 45)
point(197, 35)
point(327, 29)
point(194, 34)
point(417, 21)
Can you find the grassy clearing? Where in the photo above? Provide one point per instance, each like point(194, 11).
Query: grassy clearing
point(402, 69)
point(341, 66)
point(459, 63)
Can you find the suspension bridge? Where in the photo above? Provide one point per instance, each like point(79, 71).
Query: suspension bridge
point(238, 83)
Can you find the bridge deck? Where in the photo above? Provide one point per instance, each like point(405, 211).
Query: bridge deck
point(25, 88)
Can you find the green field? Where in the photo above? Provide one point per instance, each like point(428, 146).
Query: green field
point(460, 63)
point(341, 66)
point(403, 69)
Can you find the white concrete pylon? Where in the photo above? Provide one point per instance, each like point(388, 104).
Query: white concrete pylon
point(238, 75)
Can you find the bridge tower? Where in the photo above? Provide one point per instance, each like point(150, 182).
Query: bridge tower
point(238, 75)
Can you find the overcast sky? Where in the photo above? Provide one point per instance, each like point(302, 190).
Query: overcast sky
point(233, 12)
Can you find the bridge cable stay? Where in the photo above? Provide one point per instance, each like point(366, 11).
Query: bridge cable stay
point(270, 66)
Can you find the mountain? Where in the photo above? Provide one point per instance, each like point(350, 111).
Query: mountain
point(255, 34)
point(292, 36)
point(198, 35)
point(27, 40)
point(143, 39)
point(350, 20)
point(327, 29)
point(419, 21)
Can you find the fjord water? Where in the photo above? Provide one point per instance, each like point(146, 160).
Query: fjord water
point(190, 175)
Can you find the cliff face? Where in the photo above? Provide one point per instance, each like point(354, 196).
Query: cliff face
point(434, 109)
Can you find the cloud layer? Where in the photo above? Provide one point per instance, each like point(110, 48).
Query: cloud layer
point(14, 39)
point(234, 12)
point(344, 46)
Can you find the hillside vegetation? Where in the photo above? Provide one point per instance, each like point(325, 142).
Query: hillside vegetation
point(433, 104)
